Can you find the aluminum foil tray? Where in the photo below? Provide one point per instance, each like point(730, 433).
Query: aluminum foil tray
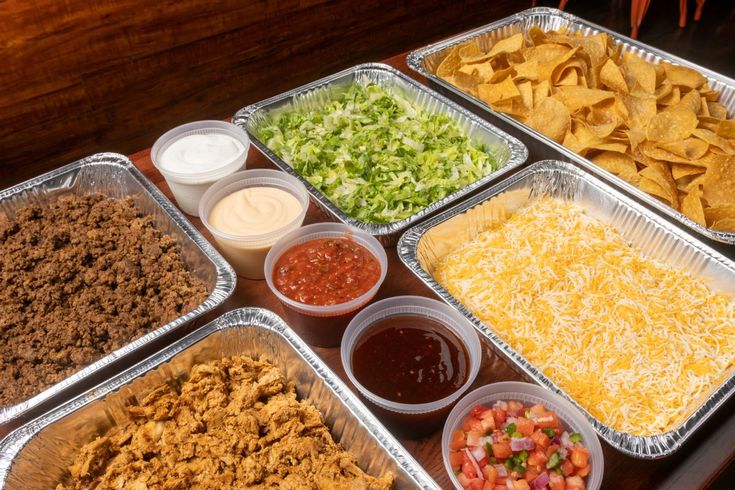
point(510, 152)
point(116, 176)
point(52, 441)
point(423, 245)
point(426, 60)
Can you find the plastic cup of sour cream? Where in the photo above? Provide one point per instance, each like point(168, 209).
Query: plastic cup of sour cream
point(193, 156)
point(247, 212)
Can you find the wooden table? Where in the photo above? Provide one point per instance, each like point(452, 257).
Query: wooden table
point(695, 466)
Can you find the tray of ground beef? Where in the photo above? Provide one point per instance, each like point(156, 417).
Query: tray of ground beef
point(95, 263)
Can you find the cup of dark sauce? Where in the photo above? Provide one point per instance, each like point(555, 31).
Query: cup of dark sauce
point(411, 358)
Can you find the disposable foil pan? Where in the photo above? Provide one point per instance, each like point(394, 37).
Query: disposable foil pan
point(423, 245)
point(509, 152)
point(114, 175)
point(52, 441)
point(426, 60)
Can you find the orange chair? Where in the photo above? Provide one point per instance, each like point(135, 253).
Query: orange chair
point(638, 9)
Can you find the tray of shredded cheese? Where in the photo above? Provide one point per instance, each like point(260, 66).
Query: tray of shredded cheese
point(593, 296)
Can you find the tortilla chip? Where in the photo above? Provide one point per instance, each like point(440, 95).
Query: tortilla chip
point(680, 170)
point(496, 92)
point(619, 164)
point(683, 76)
point(638, 71)
point(550, 118)
point(690, 148)
point(718, 186)
point(714, 140)
point(449, 64)
point(720, 212)
point(726, 129)
point(507, 45)
point(691, 206)
point(574, 98)
point(612, 77)
point(671, 125)
point(526, 91)
point(727, 224)
point(660, 174)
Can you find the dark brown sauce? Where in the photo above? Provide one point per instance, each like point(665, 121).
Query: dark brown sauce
point(410, 359)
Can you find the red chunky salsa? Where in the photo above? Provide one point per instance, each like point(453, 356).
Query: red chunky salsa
point(326, 271)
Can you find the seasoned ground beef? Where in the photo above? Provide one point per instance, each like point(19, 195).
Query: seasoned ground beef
point(236, 423)
point(80, 278)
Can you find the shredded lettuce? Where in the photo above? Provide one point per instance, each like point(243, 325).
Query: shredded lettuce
point(375, 154)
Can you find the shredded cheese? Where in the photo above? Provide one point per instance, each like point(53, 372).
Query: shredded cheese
point(635, 341)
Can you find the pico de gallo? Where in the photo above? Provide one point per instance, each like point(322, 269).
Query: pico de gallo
point(510, 446)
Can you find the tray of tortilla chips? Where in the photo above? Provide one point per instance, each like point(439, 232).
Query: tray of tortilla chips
point(660, 127)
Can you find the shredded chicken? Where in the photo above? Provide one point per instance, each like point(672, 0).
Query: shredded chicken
point(235, 424)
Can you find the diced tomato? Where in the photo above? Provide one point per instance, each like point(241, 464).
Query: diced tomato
point(515, 408)
point(538, 409)
point(458, 440)
point(500, 416)
point(538, 457)
point(584, 471)
point(547, 420)
point(531, 474)
point(474, 437)
point(456, 458)
point(468, 470)
point(490, 473)
point(524, 426)
point(580, 456)
point(475, 484)
point(540, 439)
point(464, 480)
point(477, 410)
point(575, 483)
point(501, 450)
point(487, 414)
point(471, 424)
point(501, 487)
point(567, 467)
point(557, 482)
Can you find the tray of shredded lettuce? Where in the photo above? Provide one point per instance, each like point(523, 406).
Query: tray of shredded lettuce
point(374, 152)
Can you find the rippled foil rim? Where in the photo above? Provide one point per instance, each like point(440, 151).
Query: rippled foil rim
point(550, 18)
point(223, 287)
point(252, 317)
point(387, 233)
point(561, 178)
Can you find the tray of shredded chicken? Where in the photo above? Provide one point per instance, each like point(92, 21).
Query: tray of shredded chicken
point(593, 296)
point(241, 402)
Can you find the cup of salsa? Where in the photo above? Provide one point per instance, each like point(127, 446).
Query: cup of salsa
point(323, 274)
point(411, 358)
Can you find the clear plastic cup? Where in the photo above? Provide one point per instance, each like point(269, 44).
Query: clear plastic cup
point(323, 326)
point(187, 187)
point(412, 420)
point(528, 394)
point(247, 253)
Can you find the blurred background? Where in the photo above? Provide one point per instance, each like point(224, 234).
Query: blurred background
point(82, 76)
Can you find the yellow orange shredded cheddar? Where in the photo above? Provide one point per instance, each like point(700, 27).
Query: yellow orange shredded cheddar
point(633, 340)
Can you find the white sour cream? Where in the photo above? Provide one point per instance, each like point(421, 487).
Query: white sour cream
point(197, 153)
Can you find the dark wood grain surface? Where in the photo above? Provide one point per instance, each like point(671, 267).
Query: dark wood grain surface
point(695, 466)
point(79, 77)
